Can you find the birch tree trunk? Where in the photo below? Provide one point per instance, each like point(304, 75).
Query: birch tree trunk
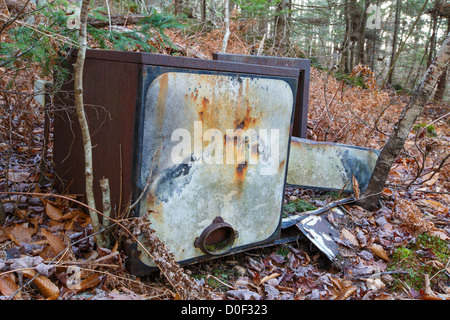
point(227, 26)
point(179, 7)
point(442, 84)
point(79, 106)
point(395, 37)
point(403, 127)
point(203, 10)
point(348, 46)
point(432, 46)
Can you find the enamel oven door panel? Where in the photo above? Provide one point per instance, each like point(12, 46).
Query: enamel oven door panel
point(213, 158)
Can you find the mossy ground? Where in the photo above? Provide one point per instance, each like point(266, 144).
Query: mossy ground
point(427, 255)
point(298, 205)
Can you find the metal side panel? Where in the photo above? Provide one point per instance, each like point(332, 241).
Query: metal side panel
point(329, 166)
point(218, 145)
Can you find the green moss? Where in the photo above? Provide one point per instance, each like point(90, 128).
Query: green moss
point(399, 88)
point(217, 247)
point(298, 205)
point(351, 80)
point(333, 195)
point(403, 253)
point(436, 245)
point(413, 259)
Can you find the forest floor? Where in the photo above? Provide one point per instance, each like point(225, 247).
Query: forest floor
point(400, 251)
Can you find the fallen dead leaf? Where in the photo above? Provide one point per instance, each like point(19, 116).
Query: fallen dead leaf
point(441, 234)
point(387, 192)
point(20, 234)
point(379, 251)
point(396, 175)
point(3, 236)
point(345, 234)
point(430, 297)
point(29, 273)
point(266, 278)
point(243, 282)
point(355, 187)
point(346, 292)
point(433, 178)
point(48, 289)
point(91, 281)
point(55, 242)
point(53, 211)
point(428, 293)
point(375, 284)
point(436, 264)
point(336, 282)
point(435, 205)
point(244, 294)
point(8, 284)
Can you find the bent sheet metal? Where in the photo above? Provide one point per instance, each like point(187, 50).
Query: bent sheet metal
point(327, 166)
point(322, 233)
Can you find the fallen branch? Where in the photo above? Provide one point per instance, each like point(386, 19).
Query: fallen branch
point(378, 274)
point(116, 20)
point(186, 287)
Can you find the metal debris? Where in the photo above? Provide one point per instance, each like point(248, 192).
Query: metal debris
point(322, 233)
point(329, 166)
point(299, 217)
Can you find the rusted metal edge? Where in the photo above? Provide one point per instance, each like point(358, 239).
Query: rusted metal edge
point(156, 59)
point(303, 65)
point(296, 63)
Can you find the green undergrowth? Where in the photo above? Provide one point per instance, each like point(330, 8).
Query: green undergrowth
point(218, 278)
point(431, 131)
point(298, 205)
point(427, 255)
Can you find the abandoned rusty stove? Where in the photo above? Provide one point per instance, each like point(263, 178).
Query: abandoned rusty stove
point(221, 139)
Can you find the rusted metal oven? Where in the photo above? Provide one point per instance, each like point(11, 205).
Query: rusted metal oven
point(205, 142)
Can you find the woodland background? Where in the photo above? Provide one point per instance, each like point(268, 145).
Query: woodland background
point(362, 78)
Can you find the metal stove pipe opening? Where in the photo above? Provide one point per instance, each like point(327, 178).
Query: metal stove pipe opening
point(217, 238)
